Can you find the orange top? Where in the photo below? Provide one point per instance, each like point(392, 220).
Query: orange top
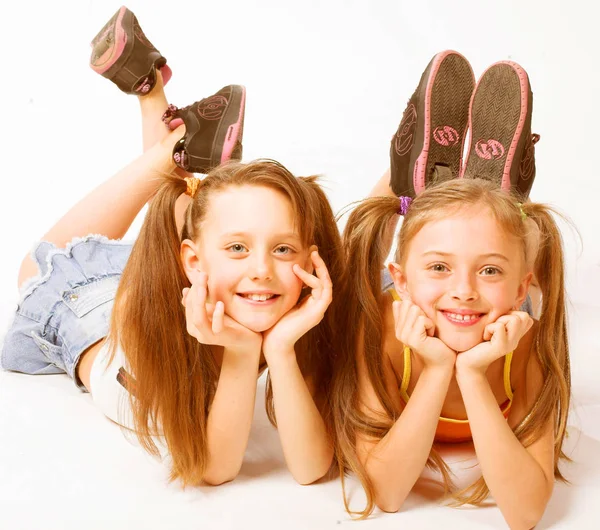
point(450, 430)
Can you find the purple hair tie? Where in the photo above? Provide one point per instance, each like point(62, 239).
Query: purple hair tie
point(404, 204)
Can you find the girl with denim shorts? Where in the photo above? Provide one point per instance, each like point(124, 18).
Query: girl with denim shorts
point(229, 275)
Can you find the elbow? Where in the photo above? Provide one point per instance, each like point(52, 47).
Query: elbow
point(388, 503)
point(215, 477)
point(305, 477)
point(530, 519)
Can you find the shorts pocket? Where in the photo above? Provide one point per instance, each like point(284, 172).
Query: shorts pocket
point(52, 352)
point(85, 298)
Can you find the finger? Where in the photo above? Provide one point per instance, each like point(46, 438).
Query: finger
point(490, 329)
point(320, 267)
point(309, 279)
point(429, 326)
point(217, 318)
point(200, 290)
point(189, 315)
point(323, 275)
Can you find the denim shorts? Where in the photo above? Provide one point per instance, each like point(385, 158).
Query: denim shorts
point(66, 308)
point(388, 283)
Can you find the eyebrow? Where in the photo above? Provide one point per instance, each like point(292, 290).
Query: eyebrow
point(285, 235)
point(448, 254)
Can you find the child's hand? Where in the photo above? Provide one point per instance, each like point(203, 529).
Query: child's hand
point(209, 324)
point(415, 330)
point(500, 337)
point(305, 315)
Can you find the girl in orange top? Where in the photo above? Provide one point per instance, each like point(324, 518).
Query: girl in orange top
point(446, 355)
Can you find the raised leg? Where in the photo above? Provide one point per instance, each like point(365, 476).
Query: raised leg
point(112, 207)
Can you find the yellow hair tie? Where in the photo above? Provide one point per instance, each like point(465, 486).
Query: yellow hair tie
point(523, 214)
point(192, 186)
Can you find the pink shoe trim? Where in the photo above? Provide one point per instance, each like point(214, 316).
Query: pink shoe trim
point(166, 73)
point(234, 130)
point(421, 162)
point(114, 52)
point(513, 146)
point(174, 123)
point(506, 185)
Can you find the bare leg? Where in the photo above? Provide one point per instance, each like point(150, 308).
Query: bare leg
point(153, 106)
point(112, 207)
point(382, 188)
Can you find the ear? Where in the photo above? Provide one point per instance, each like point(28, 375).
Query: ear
point(190, 259)
point(308, 266)
point(400, 283)
point(523, 289)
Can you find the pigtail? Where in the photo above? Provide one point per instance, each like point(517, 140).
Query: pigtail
point(173, 373)
point(366, 241)
point(552, 346)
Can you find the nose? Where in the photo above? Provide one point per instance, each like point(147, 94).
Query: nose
point(464, 288)
point(261, 266)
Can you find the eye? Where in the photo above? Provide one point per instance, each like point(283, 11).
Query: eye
point(237, 248)
point(438, 267)
point(282, 250)
point(490, 271)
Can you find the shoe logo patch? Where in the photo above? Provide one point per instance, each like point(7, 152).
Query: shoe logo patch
point(489, 149)
point(446, 135)
point(212, 108)
point(405, 136)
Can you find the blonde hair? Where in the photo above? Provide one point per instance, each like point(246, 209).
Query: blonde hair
point(365, 249)
point(175, 376)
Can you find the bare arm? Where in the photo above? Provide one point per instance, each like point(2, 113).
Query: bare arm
point(307, 448)
point(395, 462)
point(512, 472)
point(230, 416)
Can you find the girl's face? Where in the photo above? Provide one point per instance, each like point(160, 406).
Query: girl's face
point(464, 272)
point(249, 243)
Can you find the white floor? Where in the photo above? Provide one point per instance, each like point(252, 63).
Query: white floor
point(327, 83)
point(65, 466)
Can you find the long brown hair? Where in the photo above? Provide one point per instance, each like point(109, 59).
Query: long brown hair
point(363, 239)
point(175, 375)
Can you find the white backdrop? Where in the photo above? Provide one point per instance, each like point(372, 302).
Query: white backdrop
point(326, 82)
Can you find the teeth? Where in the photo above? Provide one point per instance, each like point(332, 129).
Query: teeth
point(462, 318)
point(258, 297)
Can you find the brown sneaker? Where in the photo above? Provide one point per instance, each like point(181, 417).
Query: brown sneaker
point(429, 141)
point(501, 143)
point(122, 53)
point(214, 128)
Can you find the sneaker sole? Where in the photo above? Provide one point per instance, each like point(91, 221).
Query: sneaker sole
point(234, 132)
point(500, 106)
point(120, 27)
point(115, 27)
point(445, 110)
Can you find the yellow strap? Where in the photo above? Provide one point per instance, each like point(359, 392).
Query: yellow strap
point(507, 385)
point(394, 294)
point(405, 375)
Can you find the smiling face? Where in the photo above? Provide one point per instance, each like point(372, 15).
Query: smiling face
point(464, 271)
point(248, 245)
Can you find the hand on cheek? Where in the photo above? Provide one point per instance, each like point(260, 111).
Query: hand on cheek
point(208, 323)
point(500, 338)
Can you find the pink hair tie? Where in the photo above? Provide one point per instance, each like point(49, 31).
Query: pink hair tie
point(404, 204)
